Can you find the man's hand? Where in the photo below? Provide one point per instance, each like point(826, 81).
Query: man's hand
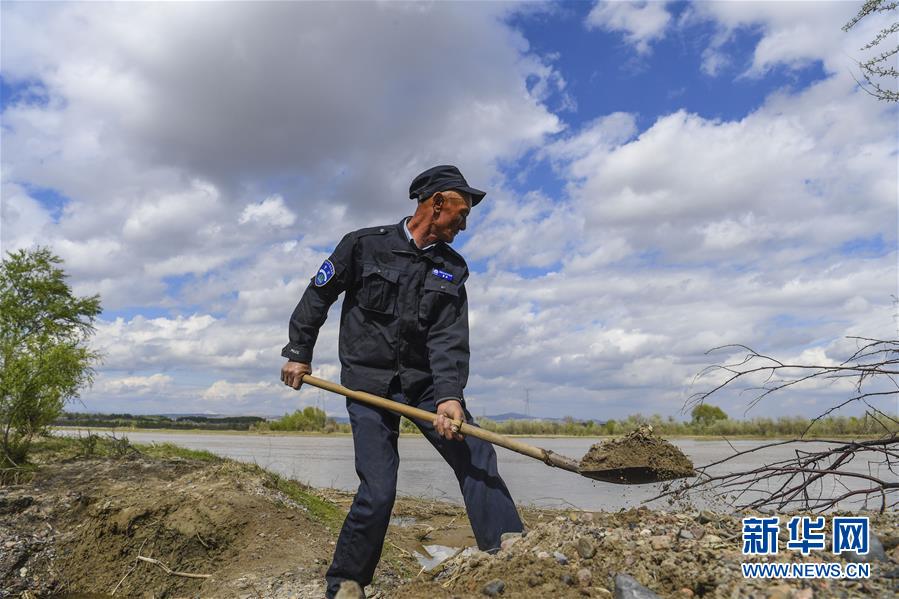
point(448, 411)
point(292, 373)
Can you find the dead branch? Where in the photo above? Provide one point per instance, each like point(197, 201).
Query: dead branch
point(825, 476)
point(168, 570)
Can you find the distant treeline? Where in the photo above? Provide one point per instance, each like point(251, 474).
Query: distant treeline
point(228, 423)
point(312, 419)
point(785, 426)
point(308, 419)
point(315, 420)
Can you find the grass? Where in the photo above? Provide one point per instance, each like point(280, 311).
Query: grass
point(320, 510)
point(47, 450)
point(170, 450)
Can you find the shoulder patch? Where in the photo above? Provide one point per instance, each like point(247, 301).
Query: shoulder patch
point(324, 274)
point(446, 276)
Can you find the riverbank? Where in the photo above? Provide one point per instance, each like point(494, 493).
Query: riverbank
point(89, 513)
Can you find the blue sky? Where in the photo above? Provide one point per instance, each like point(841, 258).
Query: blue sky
point(663, 178)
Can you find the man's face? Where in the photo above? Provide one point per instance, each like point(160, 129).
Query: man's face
point(450, 214)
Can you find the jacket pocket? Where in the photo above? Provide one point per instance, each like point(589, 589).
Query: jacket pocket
point(379, 289)
point(436, 294)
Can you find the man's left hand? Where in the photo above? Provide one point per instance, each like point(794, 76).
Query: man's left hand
point(448, 411)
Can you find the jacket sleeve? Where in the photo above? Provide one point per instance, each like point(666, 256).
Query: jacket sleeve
point(312, 310)
point(448, 349)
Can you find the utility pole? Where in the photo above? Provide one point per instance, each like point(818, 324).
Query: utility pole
point(527, 402)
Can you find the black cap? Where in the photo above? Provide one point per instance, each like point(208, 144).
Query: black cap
point(442, 178)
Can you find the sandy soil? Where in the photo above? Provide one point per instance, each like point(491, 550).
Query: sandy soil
point(80, 525)
point(640, 456)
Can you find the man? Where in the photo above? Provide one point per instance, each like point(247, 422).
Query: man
point(403, 334)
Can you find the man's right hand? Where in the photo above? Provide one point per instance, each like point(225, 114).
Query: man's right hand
point(292, 373)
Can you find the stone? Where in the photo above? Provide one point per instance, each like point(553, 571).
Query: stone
point(780, 591)
point(542, 555)
point(602, 592)
point(805, 593)
point(685, 592)
point(23, 572)
point(585, 548)
point(876, 552)
point(494, 588)
point(584, 577)
point(892, 573)
point(349, 589)
point(711, 539)
point(705, 517)
point(587, 517)
point(626, 587)
point(509, 542)
point(686, 534)
point(560, 557)
point(567, 579)
point(660, 542)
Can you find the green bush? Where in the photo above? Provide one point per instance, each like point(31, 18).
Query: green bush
point(44, 359)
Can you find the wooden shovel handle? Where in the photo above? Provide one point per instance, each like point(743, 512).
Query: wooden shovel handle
point(544, 455)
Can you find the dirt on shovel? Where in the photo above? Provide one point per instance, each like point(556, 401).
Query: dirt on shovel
point(638, 457)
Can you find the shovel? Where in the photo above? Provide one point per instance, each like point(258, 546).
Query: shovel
point(624, 476)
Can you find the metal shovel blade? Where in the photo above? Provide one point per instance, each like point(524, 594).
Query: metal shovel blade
point(635, 475)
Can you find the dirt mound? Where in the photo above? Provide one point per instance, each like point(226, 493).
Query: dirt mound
point(638, 457)
point(80, 526)
point(86, 522)
point(675, 555)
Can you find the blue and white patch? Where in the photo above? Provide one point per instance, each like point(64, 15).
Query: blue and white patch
point(442, 274)
point(325, 274)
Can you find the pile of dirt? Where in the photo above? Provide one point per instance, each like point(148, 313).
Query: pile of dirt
point(641, 456)
point(80, 526)
point(674, 555)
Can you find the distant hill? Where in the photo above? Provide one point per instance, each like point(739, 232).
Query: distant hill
point(514, 416)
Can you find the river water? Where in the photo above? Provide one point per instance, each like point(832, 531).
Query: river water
point(327, 461)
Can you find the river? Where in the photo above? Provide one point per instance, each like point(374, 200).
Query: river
point(327, 461)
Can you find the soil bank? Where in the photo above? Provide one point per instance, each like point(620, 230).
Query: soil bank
point(79, 525)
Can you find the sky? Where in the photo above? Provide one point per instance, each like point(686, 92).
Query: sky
point(663, 178)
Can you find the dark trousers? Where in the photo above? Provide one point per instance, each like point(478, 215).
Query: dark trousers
point(490, 508)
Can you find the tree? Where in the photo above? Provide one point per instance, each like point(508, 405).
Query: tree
point(44, 358)
point(705, 414)
point(879, 72)
point(820, 474)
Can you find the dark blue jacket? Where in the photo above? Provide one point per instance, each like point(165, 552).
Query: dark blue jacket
point(405, 313)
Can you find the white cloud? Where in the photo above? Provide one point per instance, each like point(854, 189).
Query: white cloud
point(158, 134)
point(793, 34)
point(164, 127)
point(140, 385)
point(271, 212)
point(641, 22)
point(24, 219)
point(238, 392)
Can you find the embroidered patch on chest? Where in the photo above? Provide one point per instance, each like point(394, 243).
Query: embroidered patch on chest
point(446, 276)
point(325, 274)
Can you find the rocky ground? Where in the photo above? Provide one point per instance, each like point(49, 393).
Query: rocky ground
point(133, 524)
